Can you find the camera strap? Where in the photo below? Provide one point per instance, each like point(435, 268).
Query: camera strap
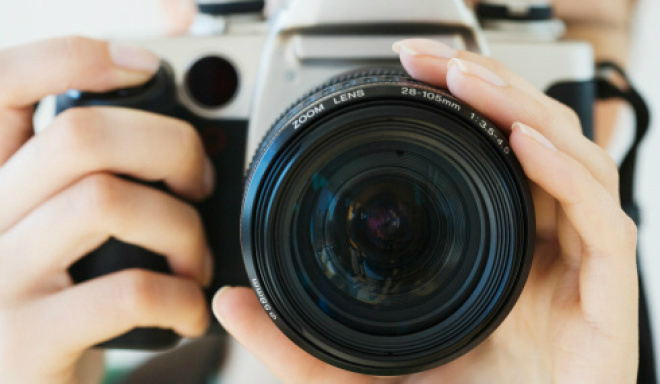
point(607, 89)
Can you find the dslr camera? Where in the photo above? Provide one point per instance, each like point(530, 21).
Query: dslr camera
point(385, 226)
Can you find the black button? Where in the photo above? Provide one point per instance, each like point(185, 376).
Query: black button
point(212, 81)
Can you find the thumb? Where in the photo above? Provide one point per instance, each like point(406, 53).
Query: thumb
point(240, 313)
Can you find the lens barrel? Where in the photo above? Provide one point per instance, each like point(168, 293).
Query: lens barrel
point(386, 227)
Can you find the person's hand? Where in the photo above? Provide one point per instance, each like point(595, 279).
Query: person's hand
point(60, 198)
point(606, 25)
point(576, 319)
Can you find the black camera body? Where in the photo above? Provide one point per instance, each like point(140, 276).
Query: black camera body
point(266, 223)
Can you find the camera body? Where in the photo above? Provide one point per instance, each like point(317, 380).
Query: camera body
point(264, 66)
point(312, 41)
point(309, 42)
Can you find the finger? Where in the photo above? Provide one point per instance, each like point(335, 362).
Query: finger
point(570, 242)
point(582, 197)
point(545, 207)
point(608, 236)
point(505, 104)
point(31, 72)
point(15, 130)
point(72, 63)
point(504, 97)
point(427, 60)
point(108, 306)
point(242, 316)
point(85, 215)
point(82, 141)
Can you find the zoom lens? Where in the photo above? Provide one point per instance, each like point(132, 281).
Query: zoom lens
point(387, 227)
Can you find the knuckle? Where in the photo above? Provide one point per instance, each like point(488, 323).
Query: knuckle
point(74, 47)
point(198, 238)
point(74, 132)
point(194, 222)
point(579, 185)
point(137, 293)
point(189, 150)
point(188, 141)
point(610, 170)
point(191, 227)
point(198, 319)
point(603, 166)
point(545, 114)
point(201, 322)
point(99, 195)
point(610, 166)
point(562, 115)
point(86, 58)
point(571, 117)
point(567, 116)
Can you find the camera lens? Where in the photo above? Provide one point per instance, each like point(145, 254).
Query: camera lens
point(384, 233)
point(387, 226)
point(385, 219)
point(212, 81)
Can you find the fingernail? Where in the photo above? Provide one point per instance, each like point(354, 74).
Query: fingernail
point(209, 176)
point(424, 47)
point(534, 135)
point(476, 70)
point(216, 302)
point(133, 57)
point(207, 273)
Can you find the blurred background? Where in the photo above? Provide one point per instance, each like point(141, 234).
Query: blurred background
point(22, 21)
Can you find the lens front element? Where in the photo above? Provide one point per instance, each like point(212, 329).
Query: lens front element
point(379, 237)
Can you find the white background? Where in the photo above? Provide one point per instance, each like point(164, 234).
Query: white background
point(26, 20)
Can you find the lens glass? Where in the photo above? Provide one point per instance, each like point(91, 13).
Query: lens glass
point(386, 224)
point(385, 229)
point(379, 226)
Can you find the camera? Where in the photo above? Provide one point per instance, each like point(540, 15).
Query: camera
point(384, 225)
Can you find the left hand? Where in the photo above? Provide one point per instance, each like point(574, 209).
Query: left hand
point(576, 319)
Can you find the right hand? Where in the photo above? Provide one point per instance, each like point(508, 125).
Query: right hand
point(60, 198)
point(576, 318)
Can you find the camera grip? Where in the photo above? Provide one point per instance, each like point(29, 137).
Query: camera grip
point(114, 256)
